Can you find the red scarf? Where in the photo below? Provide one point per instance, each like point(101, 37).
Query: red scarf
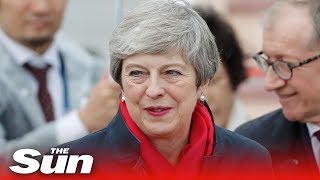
point(200, 144)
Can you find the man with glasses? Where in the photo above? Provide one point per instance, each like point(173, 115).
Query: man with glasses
point(291, 61)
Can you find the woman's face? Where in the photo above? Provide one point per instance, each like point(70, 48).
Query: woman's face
point(160, 93)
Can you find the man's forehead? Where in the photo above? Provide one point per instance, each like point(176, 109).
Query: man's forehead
point(290, 25)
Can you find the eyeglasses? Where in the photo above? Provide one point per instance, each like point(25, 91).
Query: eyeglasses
point(282, 68)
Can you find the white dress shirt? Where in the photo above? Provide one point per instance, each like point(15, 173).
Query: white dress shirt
point(312, 128)
point(64, 120)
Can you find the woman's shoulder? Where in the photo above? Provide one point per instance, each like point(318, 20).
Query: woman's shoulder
point(114, 136)
point(89, 141)
point(241, 155)
point(232, 141)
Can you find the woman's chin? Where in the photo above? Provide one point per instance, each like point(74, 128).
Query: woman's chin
point(159, 131)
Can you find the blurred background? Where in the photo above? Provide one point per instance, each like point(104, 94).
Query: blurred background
point(91, 23)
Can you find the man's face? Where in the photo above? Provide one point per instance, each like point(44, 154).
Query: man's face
point(288, 39)
point(31, 21)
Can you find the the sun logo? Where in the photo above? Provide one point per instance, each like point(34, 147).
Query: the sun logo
point(65, 163)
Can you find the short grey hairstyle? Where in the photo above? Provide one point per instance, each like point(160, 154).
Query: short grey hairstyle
point(314, 10)
point(165, 26)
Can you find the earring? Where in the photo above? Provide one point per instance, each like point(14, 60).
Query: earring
point(202, 98)
point(122, 98)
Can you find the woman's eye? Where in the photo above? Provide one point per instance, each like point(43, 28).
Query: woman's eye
point(136, 73)
point(173, 73)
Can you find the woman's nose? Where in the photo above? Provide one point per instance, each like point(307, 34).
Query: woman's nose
point(272, 80)
point(155, 88)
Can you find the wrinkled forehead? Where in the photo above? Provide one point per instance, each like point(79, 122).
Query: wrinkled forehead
point(287, 14)
point(289, 25)
point(170, 57)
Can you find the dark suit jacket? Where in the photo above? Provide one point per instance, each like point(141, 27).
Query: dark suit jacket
point(115, 147)
point(288, 143)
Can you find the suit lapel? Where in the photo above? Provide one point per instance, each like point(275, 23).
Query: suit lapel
point(124, 146)
point(292, 151)
point(16, 79)
point(308, 155)
point(219, 150)
point(213, 162)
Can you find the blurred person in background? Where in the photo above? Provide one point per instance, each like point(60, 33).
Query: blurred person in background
point(290, 57)
point(44, 78)
point(163, 56)
point(221, 94)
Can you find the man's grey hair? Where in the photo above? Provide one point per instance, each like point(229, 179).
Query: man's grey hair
point(314, 10)
point(165, 26)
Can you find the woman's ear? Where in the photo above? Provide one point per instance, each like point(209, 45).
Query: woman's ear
point(123, 98)
point(204, 85)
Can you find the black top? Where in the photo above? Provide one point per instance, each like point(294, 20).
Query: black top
point(288, 143)
point(115, 147)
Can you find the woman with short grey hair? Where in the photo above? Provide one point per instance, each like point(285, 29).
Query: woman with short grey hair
point(163, 55)
point(147, 29)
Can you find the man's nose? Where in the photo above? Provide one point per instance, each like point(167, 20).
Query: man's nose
point(272, 80)
point(40, 6)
